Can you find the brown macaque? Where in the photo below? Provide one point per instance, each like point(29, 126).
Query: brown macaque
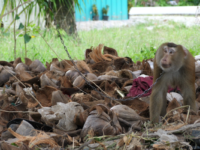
point(178, 66)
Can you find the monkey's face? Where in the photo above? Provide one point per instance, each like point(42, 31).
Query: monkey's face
point(167, 59)
point(170, 57)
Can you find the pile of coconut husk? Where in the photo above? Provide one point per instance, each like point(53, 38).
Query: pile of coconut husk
point(80, 105)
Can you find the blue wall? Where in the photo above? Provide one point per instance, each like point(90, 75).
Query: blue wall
point(118, 9)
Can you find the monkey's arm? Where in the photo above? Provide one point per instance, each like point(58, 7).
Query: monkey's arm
point(157, 98)
point(156, 71)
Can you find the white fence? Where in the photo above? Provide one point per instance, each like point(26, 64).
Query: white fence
point(174, 10)
point(9, 18)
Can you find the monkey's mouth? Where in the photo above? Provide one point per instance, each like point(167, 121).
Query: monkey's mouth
point(166, 65)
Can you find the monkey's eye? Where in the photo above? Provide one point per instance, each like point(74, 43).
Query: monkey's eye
point(165, 50)
point(171, 52)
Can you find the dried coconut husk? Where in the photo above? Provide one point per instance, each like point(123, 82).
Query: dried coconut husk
point(50, 78)
point(5, 74)
point(137, 66)
point(87, 52)
point(126, 113)
point(112, 73)
point(123, 63)
point(18, 88)
point(28, 61)
point(145, 113)
point(136, 104)
point(97, 56)
point(101, 123)
point(24, 99)
point(55, 68)
point(7, 146)
point(191, 118)
point(96, 95)
point(24, 76)
point(79, 119)
point(5, 63)
point(82, 98)
point(103, 83)
point(69, 91)
point(21, 67)
point(59, 67)
point(111, 57)
point(100, 109)
point(34, 80)
point(106, 77)
point(129, 61)
point(10, 82)
point(23, 72)
point(58, 96)
point(126, 89)
point(146, 69)
point(111, 88)
point(126, 74)
point(80, 81)
point(94, 103)
point(52, 75)
point(120, 81)
point(72, 75)
point(65, 140)
point(82, 67)
point(66, 64)
point(65, 82)
point(41, 138)
point(109, 50)
point(100, 67)
point(88, 59)
point(37, 66)
point(127, 83)
point(6, 117)
point(18, 60)
point(174, 115)
point(23, 146)
point(44, 95)
point(48, 66)
point(172, 105)
point(46, 81)
point(87, 88)
point(4, 102)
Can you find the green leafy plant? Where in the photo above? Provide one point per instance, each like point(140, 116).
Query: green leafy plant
point(148, 52)
point(130, 4)
point(105, 10)
point(95, 10)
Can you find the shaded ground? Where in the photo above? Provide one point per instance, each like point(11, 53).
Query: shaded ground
point(53, 107)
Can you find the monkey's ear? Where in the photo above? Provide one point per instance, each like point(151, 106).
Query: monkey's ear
point(185, 51)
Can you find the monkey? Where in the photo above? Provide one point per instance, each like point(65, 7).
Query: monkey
point(177, 66)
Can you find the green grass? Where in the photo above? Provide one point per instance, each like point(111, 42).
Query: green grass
point(128, 41)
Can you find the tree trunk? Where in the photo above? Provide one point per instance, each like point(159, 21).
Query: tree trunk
point(65, 17)
point(48, 16)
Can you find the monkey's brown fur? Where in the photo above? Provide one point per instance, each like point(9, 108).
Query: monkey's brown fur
point(179, 70)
